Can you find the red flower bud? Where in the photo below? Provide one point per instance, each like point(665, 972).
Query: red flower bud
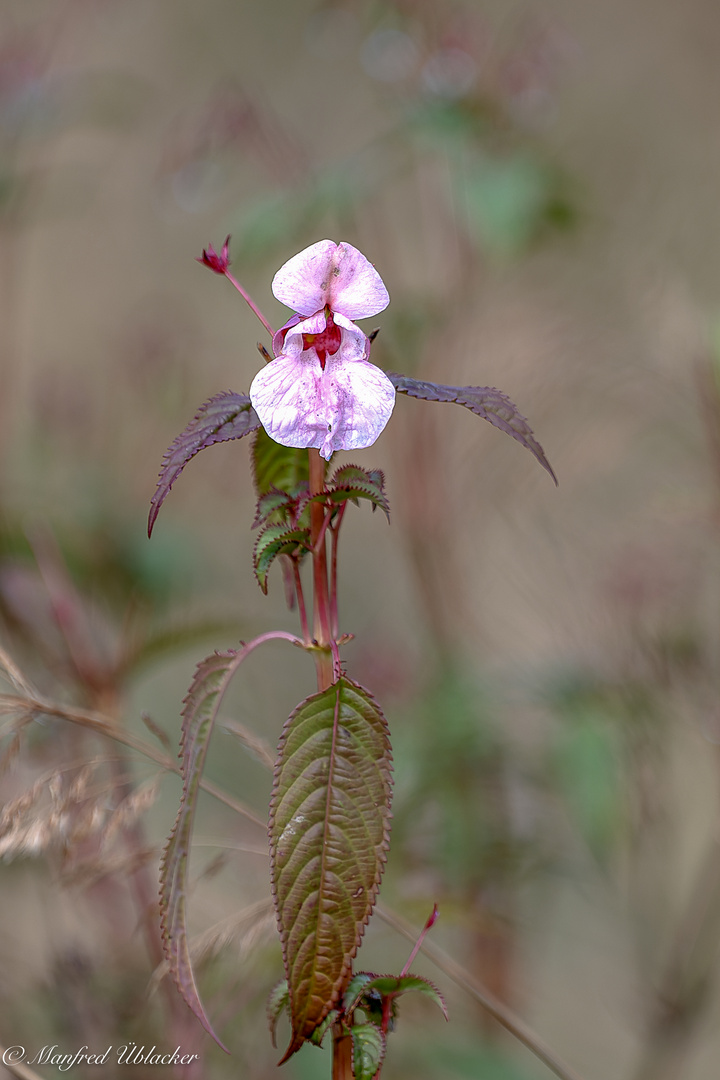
point(214, 261)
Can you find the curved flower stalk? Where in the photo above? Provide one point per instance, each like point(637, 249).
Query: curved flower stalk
point(320, 390)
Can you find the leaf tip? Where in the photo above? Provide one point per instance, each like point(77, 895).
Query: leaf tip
point(295, 1044)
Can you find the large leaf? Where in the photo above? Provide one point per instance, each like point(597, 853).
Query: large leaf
point(484, 401)
point(329, 833)
point(225, 416)
point(212, 678)
point(283, 468)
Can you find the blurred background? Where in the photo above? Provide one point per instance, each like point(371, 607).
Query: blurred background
point(537, 184)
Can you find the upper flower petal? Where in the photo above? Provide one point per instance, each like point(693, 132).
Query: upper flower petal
point(334, 275)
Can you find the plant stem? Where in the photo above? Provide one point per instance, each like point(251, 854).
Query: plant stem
point(418, 944)
point(321, 598)
point(335, 536)
point(251, 303)
point(342, 1054)
point(301, 602)
point(504, 1016)
point(323, 630)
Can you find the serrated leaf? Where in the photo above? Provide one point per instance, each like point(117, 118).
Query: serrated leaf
point(201, 705)
point(354, 989)
point(272, 505)
point(278, 1002)
point(329, 834)
point(283, 468)
point(352, 482)
point(357, 995)
point(402, 984)
point(368, 1050)
point(484, 401)
point(276, 540)
point(319, 1033)
point(225, 416)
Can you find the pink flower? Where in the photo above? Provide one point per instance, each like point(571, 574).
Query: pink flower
point(320, 390)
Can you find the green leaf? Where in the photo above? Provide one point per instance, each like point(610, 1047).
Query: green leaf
point(354, 989)
point(402, 984)
point(225, 416)
point(212, 678)
point(273, 505)
point(484, 401)
point(276, 467)
point(368, 1050)
point(352, 482)
point(586, 763)
point(329, 834)
point(278, 1002)
point(276, 540)
point(507, 200)
point(319, 1033)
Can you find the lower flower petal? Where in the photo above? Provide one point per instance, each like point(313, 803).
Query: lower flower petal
point(343, 407)
point(288, 396)
point(361, 399)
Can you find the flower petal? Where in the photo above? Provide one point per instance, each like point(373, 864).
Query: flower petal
point(356, 288)
point(343, 407)
point(361, 399)
point(302, 282)
point(279, 335)
point(288, 397)
point(336, 275)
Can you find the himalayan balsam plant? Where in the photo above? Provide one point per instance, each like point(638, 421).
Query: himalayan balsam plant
point(330, 808)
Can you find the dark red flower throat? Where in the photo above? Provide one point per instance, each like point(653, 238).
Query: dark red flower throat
point(327, 342)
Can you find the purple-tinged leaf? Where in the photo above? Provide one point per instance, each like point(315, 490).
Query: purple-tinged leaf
point(225, 416)
point(212, 678)
point(276, 540)
point(484, 401)
point(329, 834)
point(368, 1044)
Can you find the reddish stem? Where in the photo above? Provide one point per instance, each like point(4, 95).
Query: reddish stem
point(302, 610)
point(326, 522)
point(321, 598)
point(342, 1054)
point(335, 536)
point(251, 303)
point(432, 919)
point(389, 998)
point(327, 663)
